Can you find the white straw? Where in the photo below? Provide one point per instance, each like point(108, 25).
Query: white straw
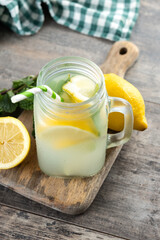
point(31, 92)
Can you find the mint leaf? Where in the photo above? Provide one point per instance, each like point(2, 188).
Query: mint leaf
point(1, 103)
point(27, 82)
point(57, 85)
point(27, 104)
point(6, 105)
point(3, 90)
point(18, 86)
point(10, 93)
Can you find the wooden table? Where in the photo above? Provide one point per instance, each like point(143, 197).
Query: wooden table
point(128, 204)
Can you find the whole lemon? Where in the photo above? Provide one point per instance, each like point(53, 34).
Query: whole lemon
point(119, 87)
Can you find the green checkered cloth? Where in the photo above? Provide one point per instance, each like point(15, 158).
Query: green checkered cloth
point(109, 19)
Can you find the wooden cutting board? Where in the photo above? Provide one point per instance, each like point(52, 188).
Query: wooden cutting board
point(71, 196)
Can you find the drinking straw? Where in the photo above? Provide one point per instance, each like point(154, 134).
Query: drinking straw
point(31, 92)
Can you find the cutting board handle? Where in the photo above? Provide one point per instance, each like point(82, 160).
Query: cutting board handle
point(121, 56)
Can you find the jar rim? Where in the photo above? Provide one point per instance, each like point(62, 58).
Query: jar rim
point(72, 60)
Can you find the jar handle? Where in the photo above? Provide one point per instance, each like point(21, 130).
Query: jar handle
point(122, 106)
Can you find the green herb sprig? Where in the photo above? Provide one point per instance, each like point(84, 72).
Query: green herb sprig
point(18, 86)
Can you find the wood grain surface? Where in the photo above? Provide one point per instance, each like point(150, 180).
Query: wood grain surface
point(75, 195)
point(128, 203)
point(58, 230)
point(120, 58)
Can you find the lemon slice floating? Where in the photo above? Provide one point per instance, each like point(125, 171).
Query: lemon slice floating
point(80, 88)
point(14, 142)
point(66, 136)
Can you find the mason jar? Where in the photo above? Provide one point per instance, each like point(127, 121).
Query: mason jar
point(72, 138)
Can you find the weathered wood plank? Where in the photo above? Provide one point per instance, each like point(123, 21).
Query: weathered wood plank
point(128, 203)
point(75, 195)
point(146, 34)
point(20, 56)
point(16, 224)
point(72, 196)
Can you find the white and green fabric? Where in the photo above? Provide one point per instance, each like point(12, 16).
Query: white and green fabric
point(109, 19)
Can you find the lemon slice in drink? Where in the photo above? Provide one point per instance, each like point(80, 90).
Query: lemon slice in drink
point(14, 142)
point(80, 88)
point(83, 124)
point(66, 136)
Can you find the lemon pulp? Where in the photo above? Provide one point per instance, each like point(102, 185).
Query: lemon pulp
point(14, 142)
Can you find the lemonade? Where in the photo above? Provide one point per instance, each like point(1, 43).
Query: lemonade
point(72, 142)
point(71, 133)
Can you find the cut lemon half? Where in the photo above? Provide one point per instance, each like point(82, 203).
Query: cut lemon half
point(61, 137)
point(80, 88)
point(14, 142)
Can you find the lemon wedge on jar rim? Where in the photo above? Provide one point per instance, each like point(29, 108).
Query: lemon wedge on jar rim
point(14, 142)
point(80, 88)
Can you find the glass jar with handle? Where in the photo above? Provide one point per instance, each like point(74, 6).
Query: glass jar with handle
point(72, 138)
